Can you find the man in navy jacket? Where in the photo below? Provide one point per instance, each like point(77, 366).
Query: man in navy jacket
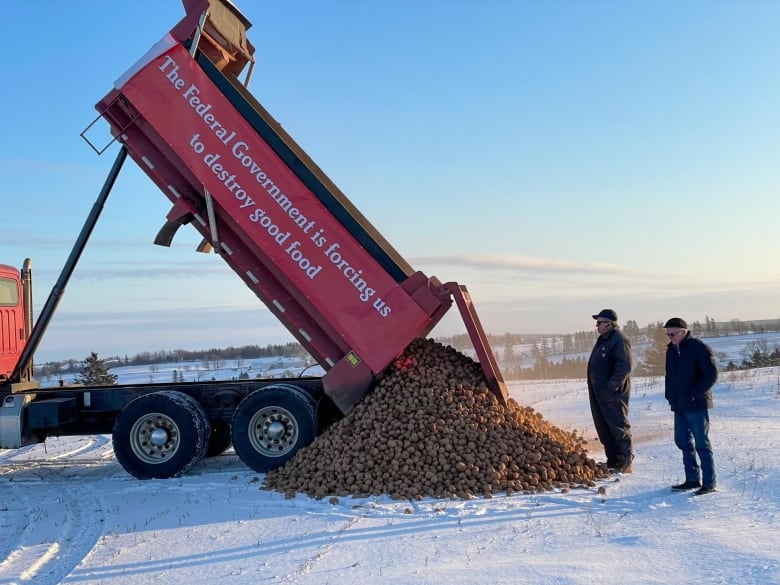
point(690, 375)
point(609, 390)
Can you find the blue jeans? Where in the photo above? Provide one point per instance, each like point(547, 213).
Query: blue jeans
point(691, 435)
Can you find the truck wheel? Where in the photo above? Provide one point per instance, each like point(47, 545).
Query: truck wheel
point(161, 435)
point(271, 424)
point(220, 439)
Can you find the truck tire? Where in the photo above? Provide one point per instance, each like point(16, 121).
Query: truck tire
point(271, 424)
point(220, 439)
point(161, 435)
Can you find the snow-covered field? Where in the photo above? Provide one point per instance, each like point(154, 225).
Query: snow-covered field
point(70, 514)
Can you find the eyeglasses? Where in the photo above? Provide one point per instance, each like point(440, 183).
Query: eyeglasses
point(602, 322)
point(674, 334)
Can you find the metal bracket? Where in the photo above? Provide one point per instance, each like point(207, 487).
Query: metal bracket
point(100, 151)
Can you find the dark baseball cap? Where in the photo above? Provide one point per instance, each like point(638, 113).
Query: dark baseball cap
point(676, 322)
point(606, 314)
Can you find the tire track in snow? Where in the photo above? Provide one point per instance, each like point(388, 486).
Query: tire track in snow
point(62, 527)
point(37, 456)
point(91, 443)
point(57, 514)
point(308, 564)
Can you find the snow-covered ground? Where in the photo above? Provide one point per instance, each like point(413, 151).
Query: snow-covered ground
point(70, 514)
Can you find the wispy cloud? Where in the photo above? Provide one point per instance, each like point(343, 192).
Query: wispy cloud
point(524, 264)
point(488, 267)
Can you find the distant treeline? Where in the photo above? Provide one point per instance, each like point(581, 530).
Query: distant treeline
point(513, 362)
point(551, 343)
point(550, 355)
point(757, 354)
point(544, 369)
point(245, 352)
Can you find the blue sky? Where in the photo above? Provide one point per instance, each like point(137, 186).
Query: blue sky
point(555, 157)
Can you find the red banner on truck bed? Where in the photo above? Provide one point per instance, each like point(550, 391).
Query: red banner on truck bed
point(288, 225)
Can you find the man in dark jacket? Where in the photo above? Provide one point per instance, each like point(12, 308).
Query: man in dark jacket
point(609, 388)
point(690, 375)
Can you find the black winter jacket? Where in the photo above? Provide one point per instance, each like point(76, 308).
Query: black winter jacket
point(609, 365)
point(690, 374)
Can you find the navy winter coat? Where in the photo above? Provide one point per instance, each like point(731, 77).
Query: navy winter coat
point(609, 365)
point(690, 374)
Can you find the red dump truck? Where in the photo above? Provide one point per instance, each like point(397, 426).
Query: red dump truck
point(183, 114)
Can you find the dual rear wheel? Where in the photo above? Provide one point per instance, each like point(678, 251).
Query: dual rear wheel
point(164, 434)
point(271, 424)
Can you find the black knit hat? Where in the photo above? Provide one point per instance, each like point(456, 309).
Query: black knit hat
point(606, 314)
point(676, 322)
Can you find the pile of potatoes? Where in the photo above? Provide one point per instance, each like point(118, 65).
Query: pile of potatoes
point(431, 427)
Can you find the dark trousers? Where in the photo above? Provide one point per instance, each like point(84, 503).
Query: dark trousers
point(610, 416)
point(692, 437)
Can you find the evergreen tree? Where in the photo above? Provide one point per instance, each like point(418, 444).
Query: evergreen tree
point(545, 347)
point(95, 373)
point(631, 329)
point(509, 353)
point(542, 368)
point(654, 361)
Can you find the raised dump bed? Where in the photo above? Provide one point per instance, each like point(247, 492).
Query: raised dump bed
point(261, 203)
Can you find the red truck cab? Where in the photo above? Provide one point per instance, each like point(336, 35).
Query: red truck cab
point(13, 331)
